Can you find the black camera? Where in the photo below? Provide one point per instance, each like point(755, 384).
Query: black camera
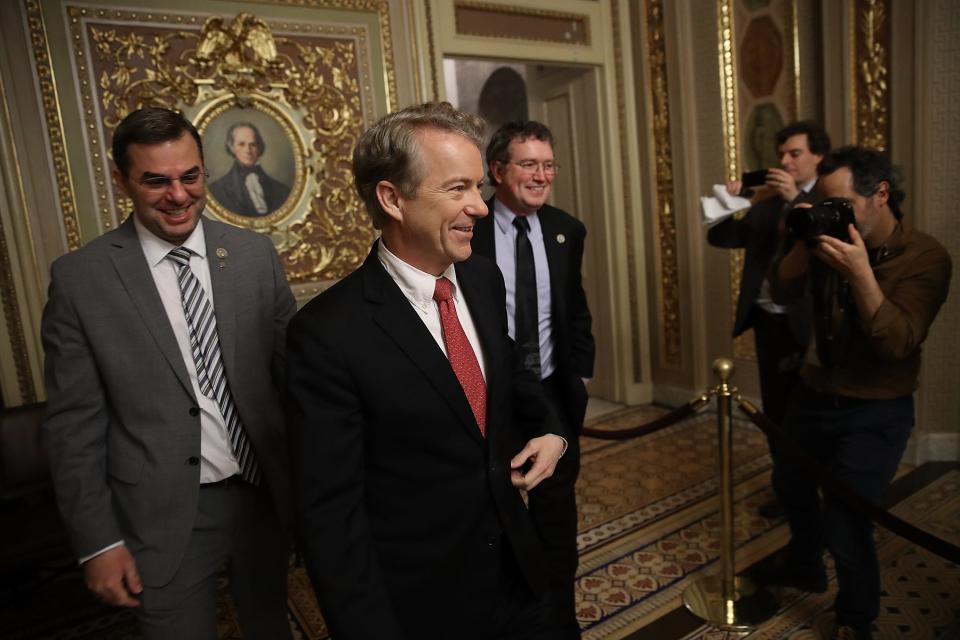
point(829, 218)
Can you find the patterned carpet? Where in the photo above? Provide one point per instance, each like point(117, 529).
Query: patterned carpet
point(648, 527)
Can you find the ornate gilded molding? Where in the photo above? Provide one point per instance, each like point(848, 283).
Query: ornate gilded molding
point(795, 56)
point(432, 52)
point(727, 45)
point(307, 81)
point(54, 123)
point(871, 70)
point(668, 271)
point(8, 291)
point(382, 9)
point(626, 180)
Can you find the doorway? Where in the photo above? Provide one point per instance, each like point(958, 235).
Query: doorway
point(566, 99)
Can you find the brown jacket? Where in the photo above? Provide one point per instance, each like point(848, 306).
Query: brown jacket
point(883, 357)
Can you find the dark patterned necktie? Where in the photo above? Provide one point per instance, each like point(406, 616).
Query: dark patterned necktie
point(462, 358)
point(526, 318)
point(205, 343)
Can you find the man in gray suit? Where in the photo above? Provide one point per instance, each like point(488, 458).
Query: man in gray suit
point(164, 344)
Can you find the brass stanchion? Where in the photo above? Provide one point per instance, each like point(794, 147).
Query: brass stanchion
point(726, 601)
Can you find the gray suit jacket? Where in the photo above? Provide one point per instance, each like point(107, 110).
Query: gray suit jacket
point(122, 426)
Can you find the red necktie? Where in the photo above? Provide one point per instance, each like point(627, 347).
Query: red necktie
point(460, 353)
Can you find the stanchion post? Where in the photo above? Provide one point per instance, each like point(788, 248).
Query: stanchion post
point(725, 601)
point(724, 370)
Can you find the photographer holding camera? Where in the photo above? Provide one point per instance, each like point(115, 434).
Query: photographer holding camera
point(877, 287)
point(780, 331)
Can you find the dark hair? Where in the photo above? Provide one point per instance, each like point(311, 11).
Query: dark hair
point(817, 139)
point(389, 150)
point(869, 168)
point(261, 145)
point(149, 125)
point(499, 148)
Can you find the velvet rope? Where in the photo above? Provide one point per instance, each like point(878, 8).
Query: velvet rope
point(678, 414)
point(846, 495)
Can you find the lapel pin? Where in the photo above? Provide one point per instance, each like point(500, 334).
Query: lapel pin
point(561, 238)
point(221, 253)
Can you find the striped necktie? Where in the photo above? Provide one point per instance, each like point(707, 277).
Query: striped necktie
point(205, 344)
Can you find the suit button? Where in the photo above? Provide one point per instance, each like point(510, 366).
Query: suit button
point(492, 542)
point(193, 461)
point(493, 469)
point(194, 411)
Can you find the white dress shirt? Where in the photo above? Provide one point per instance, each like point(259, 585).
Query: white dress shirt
point(505, 236)
point(216, 456)
point(764, 299)
point(418, 287)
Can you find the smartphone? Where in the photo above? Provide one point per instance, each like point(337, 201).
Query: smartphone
point(754, 178)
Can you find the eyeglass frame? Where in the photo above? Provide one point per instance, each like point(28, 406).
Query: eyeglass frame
point(163, 183)
point(537, 166)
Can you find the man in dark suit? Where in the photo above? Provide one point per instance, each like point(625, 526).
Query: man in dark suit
point(247, 189)
point(164, 350)
point(539, 250)
point(780, 332)
point(404, 401)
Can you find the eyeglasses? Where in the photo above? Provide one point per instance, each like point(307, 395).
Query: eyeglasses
point(162, 183)
point(529, 167)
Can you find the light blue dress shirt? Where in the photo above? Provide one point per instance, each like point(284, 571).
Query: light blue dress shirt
point(505, 235)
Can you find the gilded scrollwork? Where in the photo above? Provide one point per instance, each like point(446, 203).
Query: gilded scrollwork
point(668, 285)
point(310, 79)
point(872, 100)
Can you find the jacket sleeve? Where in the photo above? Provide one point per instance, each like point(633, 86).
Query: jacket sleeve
point(903, 320)
point(582, 346)
point(76, 424)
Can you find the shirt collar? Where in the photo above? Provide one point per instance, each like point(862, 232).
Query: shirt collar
point(808, 185)
point(418, 286)
point(503, 216)
point(156, 249)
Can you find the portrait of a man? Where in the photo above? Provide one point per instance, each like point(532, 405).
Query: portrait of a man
point(247, 189)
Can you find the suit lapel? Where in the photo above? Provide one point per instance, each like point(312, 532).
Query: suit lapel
point(134, 274)
point(556, 245)
point(482, 310)
point(393, 314)
point(224, 284)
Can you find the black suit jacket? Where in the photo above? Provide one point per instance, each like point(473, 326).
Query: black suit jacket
point(231, 191)
point(574, 347)
point(758, 233)
point(403, 508)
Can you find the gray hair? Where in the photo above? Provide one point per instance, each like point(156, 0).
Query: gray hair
point(389, 151)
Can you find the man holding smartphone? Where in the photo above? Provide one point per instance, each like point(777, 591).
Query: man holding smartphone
point(780, 332)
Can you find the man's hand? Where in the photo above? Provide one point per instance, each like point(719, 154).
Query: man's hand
point(850, 259)
point(543, 452)
point(113, 577)
point(783, 183)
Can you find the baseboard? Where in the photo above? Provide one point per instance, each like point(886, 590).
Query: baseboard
point(933, 447)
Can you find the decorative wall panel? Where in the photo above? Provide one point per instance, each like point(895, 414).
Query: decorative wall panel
point(307, 84)
point(758, 46)
point(870, 103)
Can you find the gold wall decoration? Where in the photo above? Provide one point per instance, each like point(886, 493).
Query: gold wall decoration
point(51, 111)
point(871, 72)
point(668, 284)
point(434, 83)
point(626, 178)
point(308, 81)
